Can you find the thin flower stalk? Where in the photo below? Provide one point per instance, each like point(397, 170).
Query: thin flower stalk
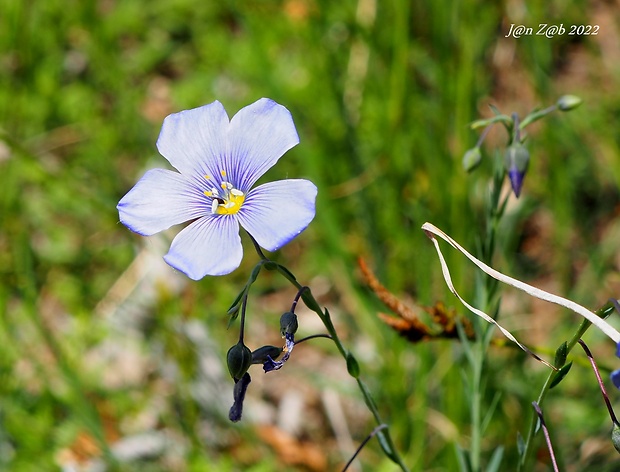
point(361, 446)
point(547, 437)
point(383, 435)
point(601, 385)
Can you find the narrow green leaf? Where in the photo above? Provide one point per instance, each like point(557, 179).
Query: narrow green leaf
point(496, 460)
point(310, 301)
point(520, 444)
point(255, 272)
point(560, 355)
point(489, 121)
point(463, 459)
point(385, 445)
point(235, 304)
point(559, 376)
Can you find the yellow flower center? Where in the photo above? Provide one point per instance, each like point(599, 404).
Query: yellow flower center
point(226, 200)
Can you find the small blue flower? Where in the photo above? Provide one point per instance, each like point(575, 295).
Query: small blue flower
point(218, 161)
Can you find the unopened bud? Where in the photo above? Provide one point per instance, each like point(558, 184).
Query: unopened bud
point(239, 359)
point(288, 323)
point(352, 366)
point(568, 102)
point(472, 159)
point(516, 160)
point(615, 378)
point(615, 436)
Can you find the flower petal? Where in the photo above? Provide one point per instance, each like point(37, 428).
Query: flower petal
point(161, 199)
point(258, 136)
point(241, 386)
point(276, 212)
point(194, 141)
point(209, 246)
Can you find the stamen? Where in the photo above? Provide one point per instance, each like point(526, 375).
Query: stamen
point(207, 176)
point(227, 200)
point(223, 173)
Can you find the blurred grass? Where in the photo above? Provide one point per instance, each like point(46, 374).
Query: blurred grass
point(381, 93)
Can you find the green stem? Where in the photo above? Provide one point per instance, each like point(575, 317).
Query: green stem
point(244, 304)
point(383, 436)
point(536, 115)
point(602, 312)
point(487, 291)
point(476, 430)
point(259, 250)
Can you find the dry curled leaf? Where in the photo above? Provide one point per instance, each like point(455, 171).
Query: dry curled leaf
point(407, 323)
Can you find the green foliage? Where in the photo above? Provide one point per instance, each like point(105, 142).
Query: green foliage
point(100, 341)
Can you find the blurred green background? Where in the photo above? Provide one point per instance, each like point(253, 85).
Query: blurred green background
point(103, 346)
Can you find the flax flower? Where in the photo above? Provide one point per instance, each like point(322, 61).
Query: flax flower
point(218, 161)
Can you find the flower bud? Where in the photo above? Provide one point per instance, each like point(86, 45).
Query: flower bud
point(239, 359)
point(288, 323)
point(516, 160)
point(472, 159)
point(352, 366)
point(568, 102)
point(262, 354)
point(615, 378)
point(615, 436)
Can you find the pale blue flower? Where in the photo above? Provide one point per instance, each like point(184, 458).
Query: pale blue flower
point(218, 161)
